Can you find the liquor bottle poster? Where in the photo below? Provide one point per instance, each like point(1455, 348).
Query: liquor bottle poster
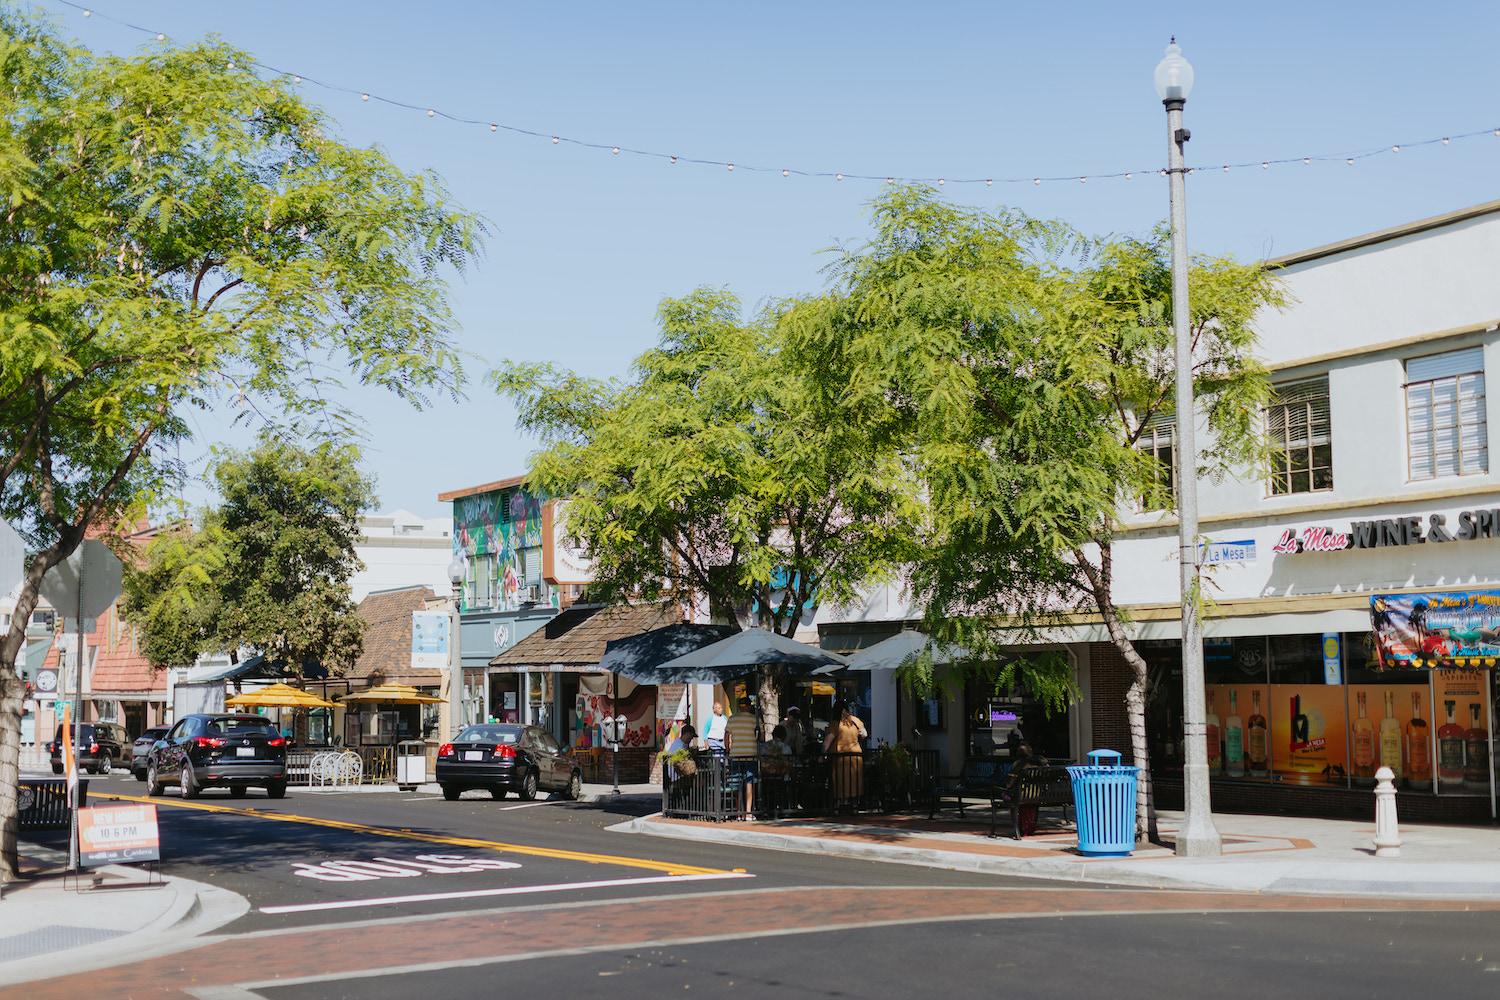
point(1309, 734)
point(1461, 716)
point(1234, 707)
point(1379, 738)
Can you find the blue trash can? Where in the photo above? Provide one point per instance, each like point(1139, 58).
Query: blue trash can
point(1104, 805)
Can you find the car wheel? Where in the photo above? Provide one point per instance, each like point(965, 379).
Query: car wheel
point(189, 787)
point(139, 772)
point(57, 769)
point(153, 781)
point(276, 790)
point(575, 787)
point(104, 766)
point(497, 793)
point(238, 791)
point(451, 793)
point(527, 791)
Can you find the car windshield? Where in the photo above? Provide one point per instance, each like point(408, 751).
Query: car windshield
point(489, 734)
point(242, 727)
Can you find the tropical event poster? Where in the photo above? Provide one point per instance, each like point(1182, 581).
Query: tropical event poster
point(1455, 630)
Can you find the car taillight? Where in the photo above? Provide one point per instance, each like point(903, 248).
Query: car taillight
point(504, 750)
point(210, 741)
point(93, 748)
point(276, 741)
point(446, 750)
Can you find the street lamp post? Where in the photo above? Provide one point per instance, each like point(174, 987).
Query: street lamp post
point(1198, 837)
point(457, 709)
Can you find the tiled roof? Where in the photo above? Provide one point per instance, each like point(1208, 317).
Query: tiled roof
point(577, 636)
point(122, 670)
point(387, 654)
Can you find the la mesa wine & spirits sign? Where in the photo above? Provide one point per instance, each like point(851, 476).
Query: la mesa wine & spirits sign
point(1472, 524)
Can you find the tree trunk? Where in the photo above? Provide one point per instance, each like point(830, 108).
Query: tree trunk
point(12, 696)
point(768, 680)
point(1135, 698)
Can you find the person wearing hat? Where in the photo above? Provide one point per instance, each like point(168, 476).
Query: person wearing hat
point(796, 736)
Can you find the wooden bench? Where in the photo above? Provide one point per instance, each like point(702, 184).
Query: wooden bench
point(1035, 786)
point(980, 778)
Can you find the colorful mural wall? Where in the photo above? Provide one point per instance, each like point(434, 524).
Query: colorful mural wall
point(502, 524)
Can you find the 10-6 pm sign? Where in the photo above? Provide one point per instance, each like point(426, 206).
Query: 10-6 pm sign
point(109, 835)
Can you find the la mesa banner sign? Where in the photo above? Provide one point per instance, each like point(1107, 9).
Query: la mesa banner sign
point(1472, 524)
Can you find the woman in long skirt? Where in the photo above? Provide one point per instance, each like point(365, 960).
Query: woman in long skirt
point(848, 764)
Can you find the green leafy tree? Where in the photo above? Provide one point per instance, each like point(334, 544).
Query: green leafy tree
point(710, 476)
point(180, 233)
point(270, 570)
point(1022, 363)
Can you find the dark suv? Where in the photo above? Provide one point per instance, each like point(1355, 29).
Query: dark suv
point(100, 746)
point(140, 750)
point(219, 751)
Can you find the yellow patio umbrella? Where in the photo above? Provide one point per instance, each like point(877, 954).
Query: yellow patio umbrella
point(393, 694)
point(277, 696)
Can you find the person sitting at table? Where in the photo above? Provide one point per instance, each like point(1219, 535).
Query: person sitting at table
point(676, 783)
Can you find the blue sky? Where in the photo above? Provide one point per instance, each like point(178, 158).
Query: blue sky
point(586, 243)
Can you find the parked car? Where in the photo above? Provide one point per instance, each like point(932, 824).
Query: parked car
point(503, 758)
point(218, 751)
point(100, 745)
point(140, 750)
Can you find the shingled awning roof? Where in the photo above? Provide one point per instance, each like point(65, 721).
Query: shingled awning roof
point(574, 641)
point(387, 651)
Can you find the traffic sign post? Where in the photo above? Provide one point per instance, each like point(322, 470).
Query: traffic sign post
point(86, 584)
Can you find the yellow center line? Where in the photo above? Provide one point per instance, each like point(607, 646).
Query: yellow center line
point(667, 867)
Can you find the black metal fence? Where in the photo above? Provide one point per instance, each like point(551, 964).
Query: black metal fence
point(44, 802)
point(723, 788)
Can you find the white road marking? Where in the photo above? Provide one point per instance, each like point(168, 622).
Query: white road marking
point(528, 805)
point(427, 897)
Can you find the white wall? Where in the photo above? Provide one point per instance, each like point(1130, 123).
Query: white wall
point(402, 549)
point(1432, 281)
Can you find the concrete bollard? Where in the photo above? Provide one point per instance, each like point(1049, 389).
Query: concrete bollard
point(1387, 837)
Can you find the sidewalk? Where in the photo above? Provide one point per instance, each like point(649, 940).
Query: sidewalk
point(52, 925)
point(1277, 854)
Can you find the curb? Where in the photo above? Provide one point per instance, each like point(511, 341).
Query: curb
point(1280, 878)
point(1095, 872)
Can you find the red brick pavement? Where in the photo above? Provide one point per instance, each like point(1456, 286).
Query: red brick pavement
point(383, 944)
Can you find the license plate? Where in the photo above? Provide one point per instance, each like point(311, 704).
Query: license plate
point(473, 755)
point(244, 751)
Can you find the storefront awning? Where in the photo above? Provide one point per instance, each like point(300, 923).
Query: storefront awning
point(1334, 620)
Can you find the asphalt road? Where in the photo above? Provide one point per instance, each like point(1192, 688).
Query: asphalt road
point(375, 895)
point(319, 857)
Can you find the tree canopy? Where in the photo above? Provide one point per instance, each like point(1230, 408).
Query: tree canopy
point(712, 476)
point(181, 233)
point(269, 570)
point(1021, 364)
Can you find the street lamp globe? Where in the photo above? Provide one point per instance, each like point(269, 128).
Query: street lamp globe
point(1174, 75)
point(457, 570)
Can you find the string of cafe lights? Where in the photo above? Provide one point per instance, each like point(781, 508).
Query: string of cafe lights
point(1349, 158)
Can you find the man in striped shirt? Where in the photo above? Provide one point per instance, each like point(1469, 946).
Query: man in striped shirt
point(743, 744)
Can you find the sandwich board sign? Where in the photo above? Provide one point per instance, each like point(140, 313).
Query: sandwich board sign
point(111, 835)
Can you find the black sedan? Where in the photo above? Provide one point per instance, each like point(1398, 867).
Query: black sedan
point(504, 758)
point(219, 751)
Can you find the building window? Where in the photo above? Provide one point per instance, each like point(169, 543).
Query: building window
point(1156, 439)
point(1300, 437)
point(484, 588)
point(1445, 429)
